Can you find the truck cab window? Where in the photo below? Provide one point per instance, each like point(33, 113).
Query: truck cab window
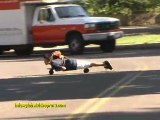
point(45, 14)
point(71, 11)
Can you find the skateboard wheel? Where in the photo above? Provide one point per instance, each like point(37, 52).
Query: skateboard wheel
point(51, 72)
point(86, 70)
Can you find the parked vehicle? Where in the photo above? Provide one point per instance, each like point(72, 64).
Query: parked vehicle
point(26, 24)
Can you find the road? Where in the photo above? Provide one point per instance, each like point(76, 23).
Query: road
point(130, 92)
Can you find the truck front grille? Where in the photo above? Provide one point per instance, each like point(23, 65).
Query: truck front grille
point(107, 25)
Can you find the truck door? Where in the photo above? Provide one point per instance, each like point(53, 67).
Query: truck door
point(44, 29)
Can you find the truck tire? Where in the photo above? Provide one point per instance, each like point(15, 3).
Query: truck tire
point(76, 44)
point(108, 45)
point(24, 50)
point(1, 52)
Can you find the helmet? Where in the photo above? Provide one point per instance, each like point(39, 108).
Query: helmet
point(57, 54)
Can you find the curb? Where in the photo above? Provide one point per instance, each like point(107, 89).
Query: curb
point(140, 46)
point(137, 30)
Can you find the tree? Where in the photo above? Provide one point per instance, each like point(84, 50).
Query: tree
point(121, 6)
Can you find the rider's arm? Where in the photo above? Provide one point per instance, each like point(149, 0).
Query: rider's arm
point(56, 67)
point(63, 57)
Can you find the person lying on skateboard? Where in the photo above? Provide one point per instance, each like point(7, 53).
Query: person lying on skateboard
point(60, 62)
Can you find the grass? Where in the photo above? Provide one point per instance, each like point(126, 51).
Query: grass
point(139, 39)
point(128, 40)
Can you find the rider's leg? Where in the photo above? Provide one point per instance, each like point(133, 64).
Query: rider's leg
point(96, 64)
point(106, 65)
point(81, 64)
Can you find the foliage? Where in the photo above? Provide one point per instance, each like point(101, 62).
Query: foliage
point(121, 6)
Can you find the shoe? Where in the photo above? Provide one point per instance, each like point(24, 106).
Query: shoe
point(107, 65)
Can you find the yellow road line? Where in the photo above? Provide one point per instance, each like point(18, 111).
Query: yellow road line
point(93, 101)
point(103, 101)
point(97, 102)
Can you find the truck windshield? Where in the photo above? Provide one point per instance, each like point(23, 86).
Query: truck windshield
point(70, 11)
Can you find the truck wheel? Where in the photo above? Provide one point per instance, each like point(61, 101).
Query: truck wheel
point(76, 44)
point(25, 50)
point(108, 45)
point(1, 52)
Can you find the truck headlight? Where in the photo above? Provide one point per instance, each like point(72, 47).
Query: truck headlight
point(90, 26)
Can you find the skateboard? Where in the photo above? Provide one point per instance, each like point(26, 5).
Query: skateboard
point(51, 71)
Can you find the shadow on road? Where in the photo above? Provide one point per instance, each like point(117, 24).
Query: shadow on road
point(81, 86)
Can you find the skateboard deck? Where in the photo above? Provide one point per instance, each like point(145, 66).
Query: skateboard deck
point(51, 71)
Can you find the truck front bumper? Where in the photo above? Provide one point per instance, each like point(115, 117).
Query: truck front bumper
point(102, 36)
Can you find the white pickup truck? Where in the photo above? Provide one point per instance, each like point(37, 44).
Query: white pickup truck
point(25, 24)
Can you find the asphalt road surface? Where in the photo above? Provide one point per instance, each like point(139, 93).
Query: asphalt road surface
point(130, 92)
